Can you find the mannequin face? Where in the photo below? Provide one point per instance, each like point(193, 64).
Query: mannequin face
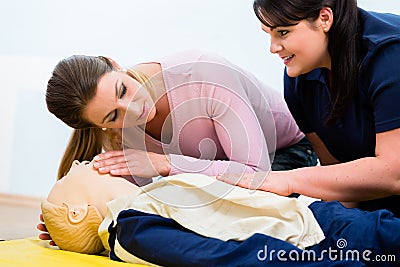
point(84, 186)
point(76, 207)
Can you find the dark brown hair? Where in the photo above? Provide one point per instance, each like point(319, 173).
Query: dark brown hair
point(343, 40)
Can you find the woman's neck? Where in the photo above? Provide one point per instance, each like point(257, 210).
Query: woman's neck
point(160, 124)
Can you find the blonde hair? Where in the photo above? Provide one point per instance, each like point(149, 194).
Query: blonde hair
point(73, 235)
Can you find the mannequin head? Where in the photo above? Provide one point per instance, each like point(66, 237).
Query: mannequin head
point(76, 206)
point(73, 227)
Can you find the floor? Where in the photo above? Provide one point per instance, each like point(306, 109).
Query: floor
point(19, 216)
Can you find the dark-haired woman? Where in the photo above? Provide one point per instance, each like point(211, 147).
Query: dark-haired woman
point(342, 86)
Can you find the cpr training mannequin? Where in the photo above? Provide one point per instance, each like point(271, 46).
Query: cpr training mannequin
point(76, 206)
point(230, 228)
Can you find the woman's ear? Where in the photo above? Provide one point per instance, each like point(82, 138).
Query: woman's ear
point(326, 18)
point(76, 213)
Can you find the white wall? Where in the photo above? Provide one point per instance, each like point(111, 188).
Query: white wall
point(36, 34)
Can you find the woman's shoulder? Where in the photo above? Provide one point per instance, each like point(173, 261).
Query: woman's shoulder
point(176, 60)
point(381, 45)
point(189, 57)
point(379, 28)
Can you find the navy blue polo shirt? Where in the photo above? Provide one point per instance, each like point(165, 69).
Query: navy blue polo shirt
point(376, 106)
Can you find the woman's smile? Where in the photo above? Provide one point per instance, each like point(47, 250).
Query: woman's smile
point(287, 59)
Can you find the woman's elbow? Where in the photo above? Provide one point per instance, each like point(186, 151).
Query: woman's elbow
point(394, 184)
point(396, 187)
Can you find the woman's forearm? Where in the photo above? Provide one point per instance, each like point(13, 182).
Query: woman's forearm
point(362, 179)
point(186, 164)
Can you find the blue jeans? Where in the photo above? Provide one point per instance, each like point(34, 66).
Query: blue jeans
point(298, 155)
point(295, 156)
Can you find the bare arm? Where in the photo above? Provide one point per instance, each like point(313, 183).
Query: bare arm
point(358, 180)
point(362, 179)
point(324, 156)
